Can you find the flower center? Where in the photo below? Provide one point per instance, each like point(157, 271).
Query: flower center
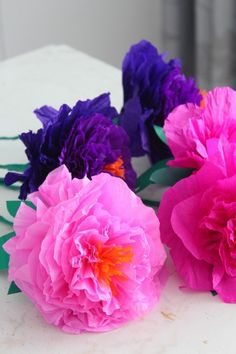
point(116, 168)
point(203, 100)
point(109, 264)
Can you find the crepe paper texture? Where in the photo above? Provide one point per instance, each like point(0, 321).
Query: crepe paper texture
point(197, 223)
point(84, 138)
point(195, 134)
point(90, 256)
point(152, 89)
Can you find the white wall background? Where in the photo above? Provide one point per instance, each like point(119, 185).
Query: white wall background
point(102, 28)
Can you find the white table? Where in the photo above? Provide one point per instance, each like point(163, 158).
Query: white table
point(183, 322)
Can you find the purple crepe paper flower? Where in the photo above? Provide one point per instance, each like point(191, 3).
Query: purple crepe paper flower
point(83, 138)
point(153, 88)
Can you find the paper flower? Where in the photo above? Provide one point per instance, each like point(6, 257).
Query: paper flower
point(195, 134)
point(90, 255)
point(198, 222)
point(83, 138)
point(152, 89)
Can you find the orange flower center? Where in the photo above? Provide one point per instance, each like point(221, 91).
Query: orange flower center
point(109, 264)
point(203, 101)
point(116, 168)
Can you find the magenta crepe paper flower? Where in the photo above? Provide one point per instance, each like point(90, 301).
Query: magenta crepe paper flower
point(198, 222)
point(194, 133)
point(90, 256)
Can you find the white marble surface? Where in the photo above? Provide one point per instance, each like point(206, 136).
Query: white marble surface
point(183, 322)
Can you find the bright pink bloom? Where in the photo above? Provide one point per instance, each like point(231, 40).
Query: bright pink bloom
point(198, 223)
point(194, 134)
point(89, 256)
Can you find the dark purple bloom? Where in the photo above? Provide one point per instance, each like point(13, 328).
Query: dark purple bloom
point(153, 88)
point(83, 138)
point(177, 90)
point(134, 121)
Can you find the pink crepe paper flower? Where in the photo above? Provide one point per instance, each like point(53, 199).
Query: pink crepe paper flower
point(194, 133)
point(198, 223)
point(90, 255)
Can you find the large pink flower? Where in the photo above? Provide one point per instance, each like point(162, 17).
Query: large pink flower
point(194, 133)
point(89, 256)
point(198, 223)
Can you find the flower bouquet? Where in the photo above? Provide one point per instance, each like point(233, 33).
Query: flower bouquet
point(85, 248)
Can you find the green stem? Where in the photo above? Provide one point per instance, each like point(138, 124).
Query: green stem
point(19, 167)
point(13, 188)
point(5, 221)
point(9, 137)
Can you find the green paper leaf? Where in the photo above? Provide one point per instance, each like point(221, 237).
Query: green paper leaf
point(160, 133)
point(13, 289)
point(13, 206)
point(151, 203)
point(9, 137)
point(19, 167)
point(5, 221)
point(168, 176)
point(214, 293)
point(30, 204)
point(4, 257)
point(144, 179)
